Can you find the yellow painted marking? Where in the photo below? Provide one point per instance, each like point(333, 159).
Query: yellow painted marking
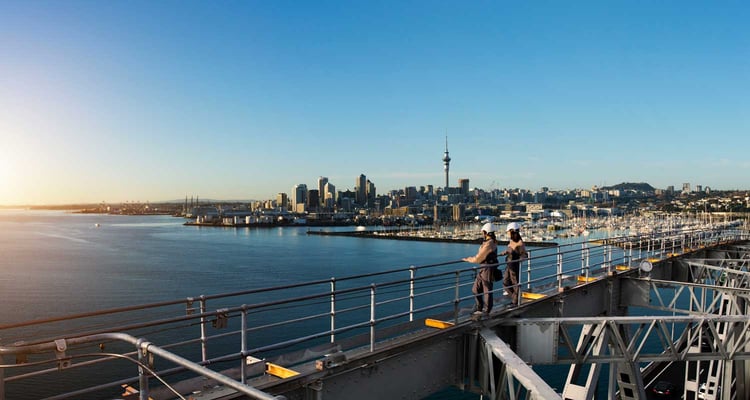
point(653, 260)
point(279, 371)
point(582, 278)
point(622, 268)
point(533, 296)
point(130, 391)
point(673, 254)
point(434, 323)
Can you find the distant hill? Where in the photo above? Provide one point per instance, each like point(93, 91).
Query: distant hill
point(641, 187)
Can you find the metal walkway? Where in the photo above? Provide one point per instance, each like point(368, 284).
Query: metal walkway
point(613, 313)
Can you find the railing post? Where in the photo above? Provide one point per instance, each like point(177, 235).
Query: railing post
point(372, 317)
point(333, 309)
point(585, 259)
point(412, 273)
point(640, 248)
point(204, 344)
point(629, 254)
point(456, 299)
point(559, 267)
point(528, 272)
point(142, 373)
point(607, 256)
point(243, 345)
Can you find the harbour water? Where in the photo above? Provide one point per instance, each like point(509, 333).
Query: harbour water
point(56, 263)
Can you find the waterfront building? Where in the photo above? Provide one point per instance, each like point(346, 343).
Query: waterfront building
point(442, 213)
point(346, 204)
point(299, 198)
point(281, 201)
point(459, 210)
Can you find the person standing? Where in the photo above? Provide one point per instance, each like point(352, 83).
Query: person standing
point(515, 252)
point(486, 257)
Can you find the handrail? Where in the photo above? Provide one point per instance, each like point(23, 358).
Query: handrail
point(361, 307)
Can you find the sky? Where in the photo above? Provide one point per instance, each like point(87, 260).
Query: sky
point(141, 101)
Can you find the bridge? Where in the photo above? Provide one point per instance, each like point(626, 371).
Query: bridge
point(610, 317)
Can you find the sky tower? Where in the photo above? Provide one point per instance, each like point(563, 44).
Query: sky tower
point(446, 162)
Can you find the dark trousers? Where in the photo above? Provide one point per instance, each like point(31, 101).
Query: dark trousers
point(510, 282)
point(482, 290)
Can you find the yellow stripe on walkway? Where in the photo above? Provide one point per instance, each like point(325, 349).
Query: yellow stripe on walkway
point(434, 323)
point(279, 371)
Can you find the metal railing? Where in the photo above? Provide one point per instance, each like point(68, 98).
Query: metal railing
point(232, 329)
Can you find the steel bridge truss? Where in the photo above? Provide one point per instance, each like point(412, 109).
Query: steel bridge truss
point(708, 330)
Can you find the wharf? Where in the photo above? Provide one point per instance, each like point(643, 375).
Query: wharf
point(394, 236)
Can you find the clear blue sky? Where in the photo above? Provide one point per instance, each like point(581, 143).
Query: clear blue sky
point(155, 100)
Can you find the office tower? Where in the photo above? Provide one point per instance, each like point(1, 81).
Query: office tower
point(281, 201)
point(299, 197)
point(313, 200)
point(322, 181)
point(464, 185)
point(361, 190)
point(370, 193)
point(329, 195)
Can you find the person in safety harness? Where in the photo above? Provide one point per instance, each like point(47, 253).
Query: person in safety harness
point(515, 252)
point(486, 257)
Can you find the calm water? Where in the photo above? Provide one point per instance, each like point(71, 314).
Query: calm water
point(57, 263)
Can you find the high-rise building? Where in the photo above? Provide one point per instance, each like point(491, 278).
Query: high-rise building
point(410, 194)
point(370, 194)
point(313, 200)
point(685, 188)
point(322, 180)
point(329, 195)
point(281, 201)
point(360, 188)
point(464, 185)
point(299, 197)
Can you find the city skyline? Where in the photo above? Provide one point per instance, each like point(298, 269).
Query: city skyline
point(145, 101)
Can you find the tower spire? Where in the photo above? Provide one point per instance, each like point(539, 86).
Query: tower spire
point(446, 161)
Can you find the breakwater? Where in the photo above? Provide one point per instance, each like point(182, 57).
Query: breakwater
point(404, 235)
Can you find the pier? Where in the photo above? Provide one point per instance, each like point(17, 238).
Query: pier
point(613, 314)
